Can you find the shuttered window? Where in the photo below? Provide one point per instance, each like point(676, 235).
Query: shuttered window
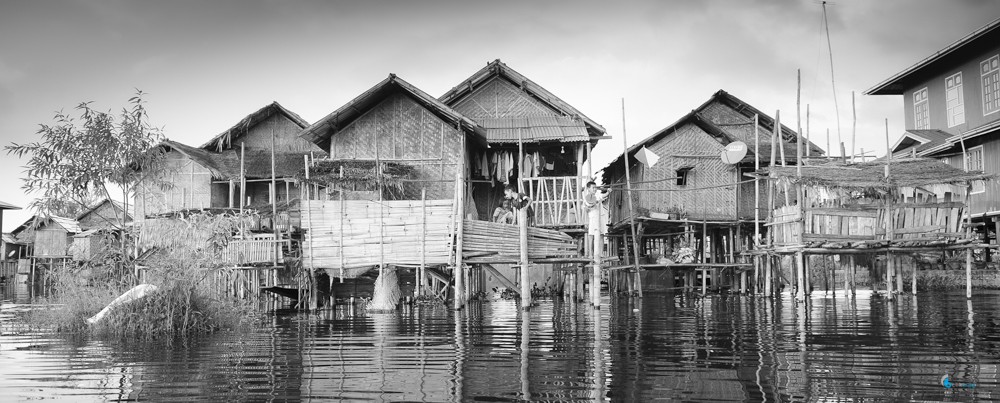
point(921, 111)
point(990, 69)
point(954, 100)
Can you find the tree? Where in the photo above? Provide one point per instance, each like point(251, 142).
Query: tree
point(91, 154)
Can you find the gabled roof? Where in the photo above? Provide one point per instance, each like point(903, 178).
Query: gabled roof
point(919, 140)
point(9, 238)
point(987, 36)
point(321, 131)
point(497, 68)
point(718, 132)
point(116, 205)
point(8, 206)
point(257, 163)
point(225, 139)
point(70, 225)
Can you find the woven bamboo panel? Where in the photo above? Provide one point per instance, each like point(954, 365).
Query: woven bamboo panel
point(924, 220)
point(698, 199)
point(403, 229)
point(405, 131)
point(286, 136)
point(499, 98)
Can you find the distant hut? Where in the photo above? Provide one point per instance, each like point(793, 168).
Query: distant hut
point(692, 202)
point(209, 176)
point(101, 226)
point(53, 236)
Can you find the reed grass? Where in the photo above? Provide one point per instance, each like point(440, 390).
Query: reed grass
point(185, 303)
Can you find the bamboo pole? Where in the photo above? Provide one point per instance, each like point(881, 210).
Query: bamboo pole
point(522, 226)
point(423, 243)
point(631, 208)
point(309, 228)
point(968, 221)
point(243, 180)
point(756, 201)
point(381, 211)
point(460, 178)
point(807, 131)
point(274, 204)
point(340, 197)
point(704, 256)
point(854, 126)
point(890, 263)
point(800, 262)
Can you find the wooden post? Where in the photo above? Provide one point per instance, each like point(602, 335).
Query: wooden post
point(308, 226)
point(276, 247)
point(232, 196)
point(854, 126)
point(340, 198)
point(704, 256)
point(807, 130)
point(423, 243)
point(631, 208)
point(460, 184)
point(243, 180)
point(757, 242)
point(890, 269)
point(522, 226)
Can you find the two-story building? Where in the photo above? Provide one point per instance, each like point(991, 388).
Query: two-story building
point(951, 103)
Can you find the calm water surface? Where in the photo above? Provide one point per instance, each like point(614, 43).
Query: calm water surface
point(667, 347)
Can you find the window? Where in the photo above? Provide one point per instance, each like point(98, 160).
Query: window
point(682, 176)
point(954, 100)
point(921, 112)
point(974, 162)
point(990, 69)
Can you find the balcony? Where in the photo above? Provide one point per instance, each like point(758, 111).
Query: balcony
point(557, 201)
point(260, 249)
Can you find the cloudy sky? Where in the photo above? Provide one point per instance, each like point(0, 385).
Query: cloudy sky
point(206, 64)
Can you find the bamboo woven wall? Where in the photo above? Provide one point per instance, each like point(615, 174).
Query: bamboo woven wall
point(286, 136)
point(103, 217)
point(699, 198)
point(405, 225)
point(191, 188)
point(51, 242)
point(498, 98)
point(405, 132)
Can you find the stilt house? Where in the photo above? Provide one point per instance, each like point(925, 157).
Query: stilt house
point(692, 205)
point(415, 179)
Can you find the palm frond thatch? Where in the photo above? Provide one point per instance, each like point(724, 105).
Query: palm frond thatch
point(359, 174)
point(908, 172)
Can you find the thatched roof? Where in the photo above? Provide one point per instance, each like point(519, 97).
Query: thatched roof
point(497, 68)
point(357, 172)
point(909, 172)
point(226, 165)
point(225, 139)
point(321, 131)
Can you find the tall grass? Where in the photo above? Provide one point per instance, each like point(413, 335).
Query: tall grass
point(185, 303)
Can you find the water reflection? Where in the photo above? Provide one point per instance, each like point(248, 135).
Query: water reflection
point(660, 347)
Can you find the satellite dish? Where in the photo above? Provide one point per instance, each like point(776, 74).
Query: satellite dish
point(734, 152)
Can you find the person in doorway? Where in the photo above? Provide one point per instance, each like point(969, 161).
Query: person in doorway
point(504, 213)
point(520, 201)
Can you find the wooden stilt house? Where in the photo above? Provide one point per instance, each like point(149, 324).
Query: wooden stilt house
point(537, 142)
point(694, 208)
point(408, 173)
point(234, 171)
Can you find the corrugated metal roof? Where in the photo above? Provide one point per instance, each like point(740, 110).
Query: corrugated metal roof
point(71, 225)
point(534, 128)
point(8, 206)
point(9, 238)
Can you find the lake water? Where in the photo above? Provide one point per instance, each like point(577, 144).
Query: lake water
point(668, 347)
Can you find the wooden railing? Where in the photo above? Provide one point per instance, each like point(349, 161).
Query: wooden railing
point(557, 200)
point(911, 221)
point(246, 251)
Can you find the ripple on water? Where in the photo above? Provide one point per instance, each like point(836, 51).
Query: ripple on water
point(662, 347)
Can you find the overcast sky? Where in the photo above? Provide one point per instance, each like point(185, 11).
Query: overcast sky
point(206, 64)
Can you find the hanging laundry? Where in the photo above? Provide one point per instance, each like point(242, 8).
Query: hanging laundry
point(536, 172)
point(527, 166)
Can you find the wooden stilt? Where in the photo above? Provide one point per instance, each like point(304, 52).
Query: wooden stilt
point(800, 269)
